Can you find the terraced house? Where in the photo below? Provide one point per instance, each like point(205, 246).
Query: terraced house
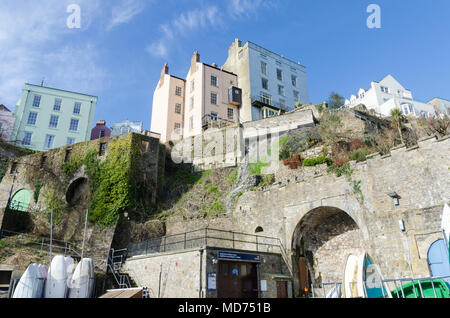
point(48, 118)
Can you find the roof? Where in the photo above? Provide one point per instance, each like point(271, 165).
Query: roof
point(61, 90)
point(123, 293)
point(3, 107)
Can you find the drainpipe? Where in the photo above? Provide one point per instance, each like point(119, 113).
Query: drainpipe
point(200, 290)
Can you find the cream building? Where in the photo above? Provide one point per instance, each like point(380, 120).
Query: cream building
point(207, 97)
point(387, 94)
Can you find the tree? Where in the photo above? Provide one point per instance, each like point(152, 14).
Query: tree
point(397, 118)
point(335, 100)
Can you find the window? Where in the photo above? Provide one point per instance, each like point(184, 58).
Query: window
point(178, 108)
point(102, 133)
point(279, 74)
point(265, 83)
point(214, 80)
point(214, 116)
point(192, 85)
point(68, 154)
point(102, 149)
point(241, 54)
point(43, 160)
point(213, 98)
point(294, 80)
point(230, 113)
point(264, 68)
point(296, 96)
point(49, 141)
point(384, 89)
point(73, 125)
point(192, 102)
point(266, 98)
point(179, 91)
point(53, 121)
point(37, 101)
point(177, 128)
point(32, 117)
point(26, 141)
point(57, 105)
point(77, 108)
point(282, 104)
point(280, 90)
point(70, 141)
point(191, 123)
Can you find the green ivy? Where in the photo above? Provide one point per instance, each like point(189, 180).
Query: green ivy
point(317, 161)
point(53, 202)
point(37, 190)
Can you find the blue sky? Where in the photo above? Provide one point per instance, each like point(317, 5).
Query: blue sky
point(122, 45)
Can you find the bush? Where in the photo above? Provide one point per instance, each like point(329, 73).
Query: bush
point(317, 161)
point(360, 154)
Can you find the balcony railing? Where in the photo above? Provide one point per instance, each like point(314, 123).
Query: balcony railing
point(207, 237)
point(209, 121)
point(260, 101)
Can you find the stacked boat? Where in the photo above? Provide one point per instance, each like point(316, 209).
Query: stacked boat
point(60, 280)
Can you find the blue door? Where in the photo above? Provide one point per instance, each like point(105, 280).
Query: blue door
point(438, 259)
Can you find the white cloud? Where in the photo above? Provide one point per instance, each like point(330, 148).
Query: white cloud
point(33, 42)
point(125, 12)
point(183, 24)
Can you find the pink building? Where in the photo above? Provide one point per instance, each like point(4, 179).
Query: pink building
point(207, 97)
point(7, 120)
point(100, 130)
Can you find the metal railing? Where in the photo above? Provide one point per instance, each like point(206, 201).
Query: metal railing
point(419, 288)
point(114, 265)
point(206, 237)
point(41, 243)
point(215, 121)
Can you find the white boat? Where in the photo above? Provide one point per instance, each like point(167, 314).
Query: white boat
point(350, 277)
point(335, 292)
point(30, 284)
point(83, 279)
point(56, 286)
point(69, 268)
point(43, 272)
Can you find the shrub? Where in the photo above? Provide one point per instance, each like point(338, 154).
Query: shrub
point(317, 161)
point(360, 154)
point(355, 144)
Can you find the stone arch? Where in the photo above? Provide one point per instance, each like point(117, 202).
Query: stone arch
point(20, 201)
point(78, 192)
point(321, 242)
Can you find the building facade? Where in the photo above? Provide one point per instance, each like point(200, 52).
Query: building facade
point(48, 118)
point(388, 94)
point(100, 130)
point(7, 120)
point(441, 106)
point(207, 97)
point(271, 84)
point(125, 127)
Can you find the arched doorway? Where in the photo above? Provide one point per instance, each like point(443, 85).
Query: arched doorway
point(321, 242)
point(78, 192)
point(438, 259)
point(20, 201)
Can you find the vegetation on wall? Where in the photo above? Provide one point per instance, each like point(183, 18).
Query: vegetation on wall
point(37, 189)
point(4, 162)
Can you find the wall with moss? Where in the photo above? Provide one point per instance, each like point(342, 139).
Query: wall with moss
point(68, 181)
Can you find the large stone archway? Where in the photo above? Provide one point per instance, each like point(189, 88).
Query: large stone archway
point(321, 243)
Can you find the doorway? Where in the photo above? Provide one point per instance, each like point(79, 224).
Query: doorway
point(237, 280)
point(438, 260)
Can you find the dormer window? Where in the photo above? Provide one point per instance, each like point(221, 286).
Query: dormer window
point(384, 89)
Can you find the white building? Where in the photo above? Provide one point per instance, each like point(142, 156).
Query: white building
point(388, 94)
point(442, 106)
point(126, 127)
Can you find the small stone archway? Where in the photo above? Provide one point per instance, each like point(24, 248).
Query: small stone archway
point(321, 243)
point(78, 192)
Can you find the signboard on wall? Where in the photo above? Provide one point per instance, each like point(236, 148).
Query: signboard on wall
point(239, 257)
point(212, 281)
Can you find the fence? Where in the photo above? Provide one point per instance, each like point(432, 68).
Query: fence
point(428, 287)
point(207, 237)
point(41, 243)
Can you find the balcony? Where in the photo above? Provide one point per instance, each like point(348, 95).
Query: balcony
point(209, 121)
point(267, 102)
